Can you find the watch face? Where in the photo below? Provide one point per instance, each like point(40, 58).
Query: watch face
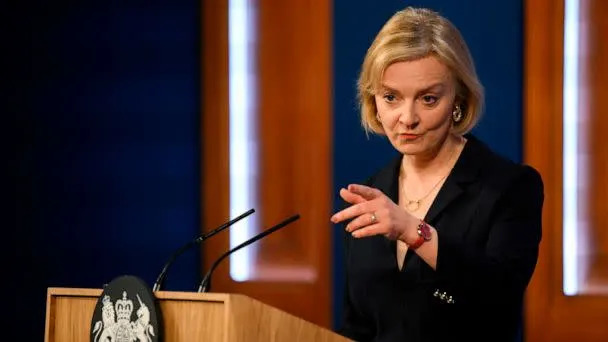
point(424, 231)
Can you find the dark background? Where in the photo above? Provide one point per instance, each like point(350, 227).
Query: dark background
point(103, 101)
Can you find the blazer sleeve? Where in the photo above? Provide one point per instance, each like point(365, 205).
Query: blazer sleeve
point(502, 268)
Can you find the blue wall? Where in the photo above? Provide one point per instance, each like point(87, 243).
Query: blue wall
point(493, 31)
point(105, 100)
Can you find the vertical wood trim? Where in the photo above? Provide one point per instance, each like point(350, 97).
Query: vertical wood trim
point(543, 77)
point(215, 180)
point(595, 90)
point(294, 129)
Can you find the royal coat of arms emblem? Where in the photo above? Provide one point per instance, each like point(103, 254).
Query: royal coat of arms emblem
point(116, 324)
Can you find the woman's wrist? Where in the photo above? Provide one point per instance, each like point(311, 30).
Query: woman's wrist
point(410, 233)
point(417, 234)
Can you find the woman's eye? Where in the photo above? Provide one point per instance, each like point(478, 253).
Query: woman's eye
point(429, 99)
point(389, 97)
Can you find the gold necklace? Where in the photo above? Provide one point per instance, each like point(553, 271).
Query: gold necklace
point(413, 205)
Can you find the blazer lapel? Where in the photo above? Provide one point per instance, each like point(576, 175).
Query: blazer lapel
point(464, 172)
point(448, 193)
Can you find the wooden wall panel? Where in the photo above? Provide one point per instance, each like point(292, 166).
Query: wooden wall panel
point(542, 149)
point(295, 97)
point(550, 315)
point(595, 69)
point(215, 180)
point(292, 269)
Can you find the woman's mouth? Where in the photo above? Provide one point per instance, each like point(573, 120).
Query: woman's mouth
point(409, 136)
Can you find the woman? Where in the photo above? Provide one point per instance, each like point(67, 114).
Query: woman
point(442, 242)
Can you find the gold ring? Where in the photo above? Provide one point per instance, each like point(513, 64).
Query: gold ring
point(373, 218)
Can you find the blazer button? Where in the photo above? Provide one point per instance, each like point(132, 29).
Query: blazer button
point(436, 294)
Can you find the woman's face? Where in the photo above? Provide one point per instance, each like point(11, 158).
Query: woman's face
point(415, 104)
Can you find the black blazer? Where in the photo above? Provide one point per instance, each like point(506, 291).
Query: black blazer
point(488, 219)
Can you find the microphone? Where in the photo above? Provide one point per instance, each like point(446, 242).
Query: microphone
point(206, 282)
point(163, 274)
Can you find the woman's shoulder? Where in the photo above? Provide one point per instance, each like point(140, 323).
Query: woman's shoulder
point(497, 169)
point(477, 162)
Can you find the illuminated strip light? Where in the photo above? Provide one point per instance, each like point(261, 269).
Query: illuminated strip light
point(570, 148)
point(243, 140)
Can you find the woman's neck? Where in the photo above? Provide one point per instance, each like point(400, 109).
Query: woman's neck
point(435, 162)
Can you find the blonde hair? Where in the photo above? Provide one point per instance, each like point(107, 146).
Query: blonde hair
point(411, 34)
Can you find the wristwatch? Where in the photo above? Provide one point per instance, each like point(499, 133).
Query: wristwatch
point(424, 234)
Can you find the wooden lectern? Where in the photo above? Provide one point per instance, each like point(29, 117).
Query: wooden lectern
point(187, 316)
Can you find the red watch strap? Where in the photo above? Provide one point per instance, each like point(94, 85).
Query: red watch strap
point(424, 234)
point(419, 241)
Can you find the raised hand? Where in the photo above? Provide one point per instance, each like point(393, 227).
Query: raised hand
point(373, 213)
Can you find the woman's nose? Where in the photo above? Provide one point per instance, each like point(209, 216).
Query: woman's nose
point(408, 116)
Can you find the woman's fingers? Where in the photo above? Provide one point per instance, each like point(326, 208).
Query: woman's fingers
point(361, 221)
point(365, 191)
point(367, 204)
point(351, 197)
point(361, 197)
point(352, 211)
point(370, 230)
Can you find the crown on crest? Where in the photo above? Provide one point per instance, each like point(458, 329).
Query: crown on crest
point(124, 308)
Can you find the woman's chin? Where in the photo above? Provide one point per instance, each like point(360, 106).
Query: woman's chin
point(411, 147)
